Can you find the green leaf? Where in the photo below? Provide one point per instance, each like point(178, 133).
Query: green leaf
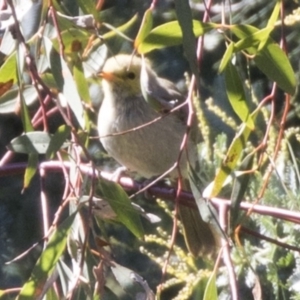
point(31, 169)
point(132, 282)
point(10, 100)
point(226, 57)
point(70, 94)
point(74, 40)
point(211, 292)
point(35, 142)
point(54, 62)
point(57, 140)
point(271, 60)
point(145, 28)
point(232, 157)
point(121, 204)
point(184, 15)
point(26, 121)
point(236, 95)
point(169, 34)
point(45, 265)
point(240, 185)
point(119, 31)
point(88, 7)
point(81, 83)
point(8, 69)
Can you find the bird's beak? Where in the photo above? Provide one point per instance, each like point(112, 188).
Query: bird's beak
point(106, 75)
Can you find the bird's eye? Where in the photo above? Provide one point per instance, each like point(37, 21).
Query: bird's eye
point(130, 75)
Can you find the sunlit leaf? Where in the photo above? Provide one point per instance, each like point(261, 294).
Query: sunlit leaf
point(271, 59)
point(121, 204)
point(132, 282)
point(57, 140)
point(70, 94)
point(10, 100)
point(8, 70)
point(236, 95)
point(145, 28)
point(273, 62)
point(228, 165)
point(169, 34)
point(31, 169)
point(45, 265)
point(75, 40)
point(88, 7)
point(226, 57)
point(211, 292)
point(25, 116)
point(81, 83)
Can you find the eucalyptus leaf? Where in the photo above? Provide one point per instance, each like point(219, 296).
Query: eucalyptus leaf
point(57, 140)
point(121, 204)
point(10, 100)
point(47, 261)
point(35, 142)
point(169, 34)
point(236, 95)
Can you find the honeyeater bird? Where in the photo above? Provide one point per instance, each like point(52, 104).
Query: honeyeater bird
point(132, 132)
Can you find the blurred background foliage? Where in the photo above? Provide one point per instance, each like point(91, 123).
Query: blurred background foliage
point(67, 44)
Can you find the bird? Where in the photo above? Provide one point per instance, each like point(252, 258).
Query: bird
point(138, 130)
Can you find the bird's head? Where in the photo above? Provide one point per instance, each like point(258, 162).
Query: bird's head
point(121, 74)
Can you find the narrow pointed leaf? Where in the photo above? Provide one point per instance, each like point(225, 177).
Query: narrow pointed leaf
point(145, 28)
point(240, 185)
point(58, 140)
point(271, 59)
point(45, 265)
point(169, 34)
point(31, 169)
point(121, 204)
point(71, 95)
point(236, 95)
point(184, 16)
point(35, 142)
point(232, 157)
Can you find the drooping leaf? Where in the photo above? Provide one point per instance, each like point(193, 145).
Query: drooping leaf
point(240, 185)
point(45, 265)
point(121, 204)
point(81, 82)
point(71, 96)
point(226, 57)
point(184, 16)
point(31, 169)
point(58, 140)
point(54, 63)
point(26, 120)
point(236, 95)
point(229, 163)
point(211, 292)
